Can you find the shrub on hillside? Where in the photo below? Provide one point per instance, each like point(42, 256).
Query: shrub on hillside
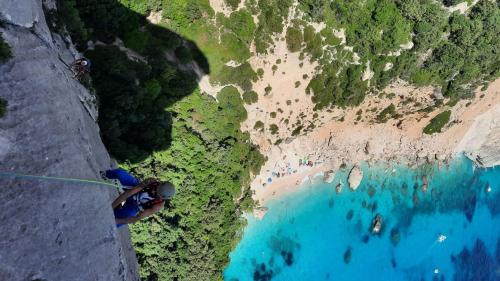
point(438, 122)
point(3, 107)
point(250, 97)
point(294, 39)
point(5, 52)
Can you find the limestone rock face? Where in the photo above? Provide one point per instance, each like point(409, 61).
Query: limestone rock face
point(480, 143)
point(355, 177)
point(52, 230)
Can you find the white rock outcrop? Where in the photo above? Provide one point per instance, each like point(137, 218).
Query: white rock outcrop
point(355, 177)
point(480, 143)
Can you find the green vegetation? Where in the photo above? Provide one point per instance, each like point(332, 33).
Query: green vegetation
point(268, 90)
point(155, 122)
point(274, 68)
point(236, 75)
point(242, 24)
point(297, 131)
point(70, 17)
point(469, 56)
point(273, 128)
point(349, 90)
point(271, 22)
point(259, 125)
point(438, 122)
point(229, 99)
point(260, 72)
point(5, 52)
point(457, 63)
point(273, 114)
point(449, 3)
point(250, 97)
point(233, 3)
point(313, 42)
point(387, 113)
point(3, 107)
point(133, 119)
point(209, 160)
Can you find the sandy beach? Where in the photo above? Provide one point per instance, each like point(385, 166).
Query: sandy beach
point(333, 137)
point(351, 142)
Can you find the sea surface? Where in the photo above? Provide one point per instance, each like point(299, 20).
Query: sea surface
point(449, 232)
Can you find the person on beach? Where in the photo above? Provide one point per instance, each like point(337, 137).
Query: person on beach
point(140, 199)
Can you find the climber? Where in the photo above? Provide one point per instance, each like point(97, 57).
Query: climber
point(80, 66)
point(140, 199)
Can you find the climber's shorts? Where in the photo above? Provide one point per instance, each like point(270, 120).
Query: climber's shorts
point(128, 210)
point(125, 178)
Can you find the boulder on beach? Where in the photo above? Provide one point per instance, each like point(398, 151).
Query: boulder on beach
point(328, 176)
point(260, 212)
point(355, 177)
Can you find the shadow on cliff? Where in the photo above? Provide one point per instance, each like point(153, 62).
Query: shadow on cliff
point(139, 70)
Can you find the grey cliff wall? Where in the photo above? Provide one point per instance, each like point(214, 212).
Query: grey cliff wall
point(52, 230)
point(480, 143)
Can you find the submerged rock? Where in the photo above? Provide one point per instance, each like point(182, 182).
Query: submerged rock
point(331, 203)
point(470, 206)
point(349, 215)
point(363, 204)
point(395, 236)
point(355, 177)
point(262, 273)
point(425, 184)
point(347, 255)
point(338, 188)
point(393, 262)
point(371, 191)
point(415, 198)
point(474, 264)
point(287, 257)
point(365, 239)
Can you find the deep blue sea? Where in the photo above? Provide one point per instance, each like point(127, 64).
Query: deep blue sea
point(449, 232)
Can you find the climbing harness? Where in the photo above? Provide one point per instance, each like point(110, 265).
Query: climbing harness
point(49, 178)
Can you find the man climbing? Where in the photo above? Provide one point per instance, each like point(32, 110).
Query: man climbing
point(80, 66)
point(141, 199)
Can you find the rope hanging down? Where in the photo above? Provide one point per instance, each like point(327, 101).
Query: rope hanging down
point(48, 178)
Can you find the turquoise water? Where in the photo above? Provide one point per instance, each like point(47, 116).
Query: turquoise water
point(317, 234)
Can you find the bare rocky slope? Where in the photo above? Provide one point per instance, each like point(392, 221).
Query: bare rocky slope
point(52, 230)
